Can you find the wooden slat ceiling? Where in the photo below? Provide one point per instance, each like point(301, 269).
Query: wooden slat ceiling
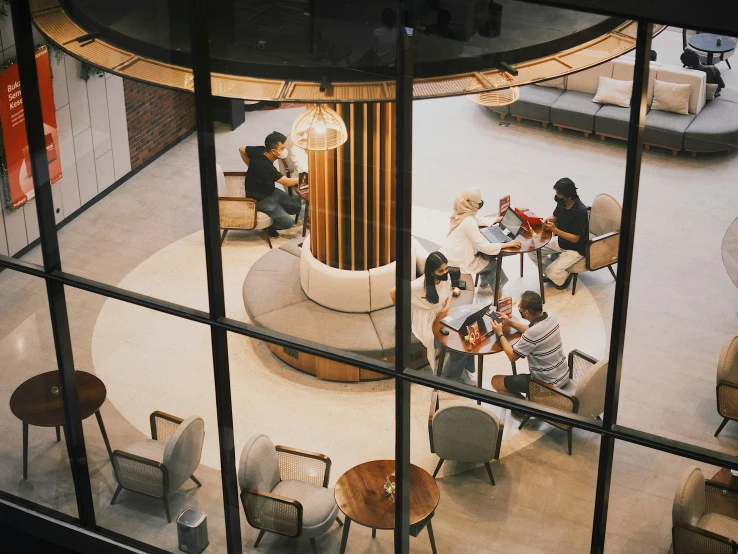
point(54, 22)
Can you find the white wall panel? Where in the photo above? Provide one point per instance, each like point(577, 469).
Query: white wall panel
point(79, 106)
point(105, 171)
point(32, 232)
point(15, 229)
point(56, 194)
point(59, 82)
point(99, 119)
point(68, 183)
point(86, 173)
point(118, 126)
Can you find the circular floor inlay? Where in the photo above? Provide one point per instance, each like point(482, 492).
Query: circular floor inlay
point(152, 361)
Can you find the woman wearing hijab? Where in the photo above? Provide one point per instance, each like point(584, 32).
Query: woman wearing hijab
point(429, 302)
point(465, 245)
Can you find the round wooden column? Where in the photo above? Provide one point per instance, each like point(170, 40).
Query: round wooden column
point(352, 191)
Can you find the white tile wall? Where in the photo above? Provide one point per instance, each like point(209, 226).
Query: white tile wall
point(93, 143)
point(86, 173)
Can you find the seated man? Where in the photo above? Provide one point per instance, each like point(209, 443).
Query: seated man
point(570, 227)
point(540, 343)
point(260, 179)
point(691, 59)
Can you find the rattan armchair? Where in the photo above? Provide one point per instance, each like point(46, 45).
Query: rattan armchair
point(464, 433)
point(604, 238)
point(704, 516)
point(584, 395)
point(159, 466)
point(285, 491)
point(238, 213)
point(727, 383)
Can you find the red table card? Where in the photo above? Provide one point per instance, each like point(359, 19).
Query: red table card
point(504, 306)
point(504, 205)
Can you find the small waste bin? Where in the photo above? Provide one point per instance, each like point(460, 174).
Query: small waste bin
point(192, 531)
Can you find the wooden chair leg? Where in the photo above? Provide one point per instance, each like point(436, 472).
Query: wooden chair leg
point(338, 520)
point(432, 538)
point(725, 421)
point(476, 280)
point(313, 545)
point(521, 265)
point(522, 423)
point(266, 235)
point(305, 221)
point(489, 472)
point(574, 285)
point(166, 508)
point(58, 434)
point(222, 237)
point(374, 533)
point(611, 272)
point(117, 492)
point(438, 467)
point(198, 483)
point(568, 437)
point(258, 539)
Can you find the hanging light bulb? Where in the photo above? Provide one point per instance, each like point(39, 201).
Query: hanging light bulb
point(319, 128)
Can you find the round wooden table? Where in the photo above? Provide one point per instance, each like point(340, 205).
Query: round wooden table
point(707, 42)
point(34, 404)
point(529, 242)
point(360, 496)
point(455, 341)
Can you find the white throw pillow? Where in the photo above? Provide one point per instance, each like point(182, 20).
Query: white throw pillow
point(711, 90)
point(613, 91)
point(671, 97)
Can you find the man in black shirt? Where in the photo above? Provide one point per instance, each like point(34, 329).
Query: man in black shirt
point(570, 227)
point(260, 179)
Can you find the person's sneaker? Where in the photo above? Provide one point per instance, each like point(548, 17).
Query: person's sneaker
point(565, 285)
point(272, 233)
point(467, 379)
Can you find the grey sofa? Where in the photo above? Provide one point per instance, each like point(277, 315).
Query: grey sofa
point(566, 103)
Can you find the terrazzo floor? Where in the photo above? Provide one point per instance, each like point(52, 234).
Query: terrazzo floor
point(682, 309)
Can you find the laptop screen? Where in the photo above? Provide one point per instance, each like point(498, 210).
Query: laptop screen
point(511, 221)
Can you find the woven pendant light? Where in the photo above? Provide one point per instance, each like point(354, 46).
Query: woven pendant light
point(501, 97)
point(319, 128)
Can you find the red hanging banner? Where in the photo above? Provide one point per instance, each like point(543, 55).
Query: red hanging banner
point(17, 178)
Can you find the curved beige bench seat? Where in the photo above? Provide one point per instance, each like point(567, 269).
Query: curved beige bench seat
point(274, 299)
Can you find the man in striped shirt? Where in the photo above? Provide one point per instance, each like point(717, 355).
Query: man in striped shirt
point(540, 343)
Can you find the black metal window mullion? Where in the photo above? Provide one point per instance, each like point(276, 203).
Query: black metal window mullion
point(214, 263)
point(638, 105)
point(73, 435)
point(403, 276)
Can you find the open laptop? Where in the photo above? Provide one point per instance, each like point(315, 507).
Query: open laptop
point(507, 230)
point(461, 316)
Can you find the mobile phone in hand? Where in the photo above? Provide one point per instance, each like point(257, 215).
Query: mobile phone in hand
point(494, 317)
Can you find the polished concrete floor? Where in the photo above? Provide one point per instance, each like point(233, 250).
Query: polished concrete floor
point(682, 309)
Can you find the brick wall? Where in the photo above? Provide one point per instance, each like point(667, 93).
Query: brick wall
point(157, 117)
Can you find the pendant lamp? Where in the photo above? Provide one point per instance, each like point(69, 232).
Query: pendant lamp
point(319, 128)
point(501, 97)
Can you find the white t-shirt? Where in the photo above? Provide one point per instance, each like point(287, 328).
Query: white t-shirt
point(541, 344)
point(384, 44)
point(463, 243)
point(423, 313)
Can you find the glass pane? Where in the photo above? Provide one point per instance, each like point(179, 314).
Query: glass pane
point(350, 423)
point(673, 394)
point(155, 368)
point(32, 398)
point(644, 505)
point(542, 499)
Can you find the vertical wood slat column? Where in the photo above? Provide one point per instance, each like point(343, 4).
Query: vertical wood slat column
point(352, 191)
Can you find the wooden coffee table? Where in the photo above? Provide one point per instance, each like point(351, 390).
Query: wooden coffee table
point(360, 496)
point(34, 404)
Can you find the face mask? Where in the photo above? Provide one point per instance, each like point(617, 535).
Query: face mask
point(560, 201)
point(481, 203)
point(283, 154)
point(443, 277)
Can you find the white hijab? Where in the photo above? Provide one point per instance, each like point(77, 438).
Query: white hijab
point(465, 205)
